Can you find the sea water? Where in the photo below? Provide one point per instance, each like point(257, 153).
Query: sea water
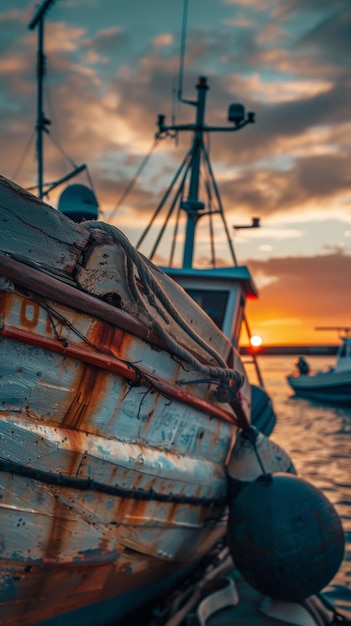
point(318, 439)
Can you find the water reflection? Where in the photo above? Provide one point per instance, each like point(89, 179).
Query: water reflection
point(318, 438)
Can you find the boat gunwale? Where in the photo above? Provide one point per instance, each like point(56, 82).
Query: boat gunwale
point(110, 363)
point(31, 278)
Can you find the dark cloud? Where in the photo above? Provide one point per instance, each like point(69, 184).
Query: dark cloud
point(82, 107)
point(137, 103)
point(108, 41)
point(330, 40)
point(319, 276)
point(268, 191)
point(291, 118)
point(322, 176)
point(327, 40)
point(235, 48)
point(308, 290)
point(320, 7)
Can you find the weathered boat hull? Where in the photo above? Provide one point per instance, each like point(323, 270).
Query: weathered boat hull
point(113, 447)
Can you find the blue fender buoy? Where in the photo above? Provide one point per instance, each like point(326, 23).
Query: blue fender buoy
point(285, 537)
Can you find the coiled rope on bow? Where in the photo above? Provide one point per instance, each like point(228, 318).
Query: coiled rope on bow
point(154, 292)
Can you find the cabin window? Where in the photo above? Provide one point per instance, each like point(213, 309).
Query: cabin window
point(214, 303)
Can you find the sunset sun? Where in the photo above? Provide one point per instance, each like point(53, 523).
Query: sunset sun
point(256, 341)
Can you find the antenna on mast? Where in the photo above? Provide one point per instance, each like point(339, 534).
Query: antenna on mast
point(193, 207)
point(190, 169)
point(42, 121)
point(182, 57)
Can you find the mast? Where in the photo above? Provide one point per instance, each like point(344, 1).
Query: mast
point(191, 166)
point(192, 206)
point(42, 120)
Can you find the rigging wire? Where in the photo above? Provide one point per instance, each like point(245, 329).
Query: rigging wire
point(179, 193)
point(211, 211)
point(220, 205)
point(22, 159)
point(175, 111)
point(56, 142)
point(90, 180)
point(58, 145)
point(175, 93)
point(163, 200)
point(174, 102)
point(175, 231)
point(132, 182)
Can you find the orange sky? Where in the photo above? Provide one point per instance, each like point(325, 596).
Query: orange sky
point(305, 293)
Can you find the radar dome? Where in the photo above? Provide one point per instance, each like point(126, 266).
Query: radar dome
point(79, 203)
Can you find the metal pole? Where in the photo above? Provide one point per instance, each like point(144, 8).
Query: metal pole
point(191, 205)
point(38, 19)
point(40, 112)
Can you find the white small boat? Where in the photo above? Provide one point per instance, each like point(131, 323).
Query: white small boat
point(332, 385)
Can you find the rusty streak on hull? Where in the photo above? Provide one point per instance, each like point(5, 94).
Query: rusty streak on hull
point(115, 365)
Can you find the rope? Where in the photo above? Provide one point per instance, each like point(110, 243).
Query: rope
point(155, 291)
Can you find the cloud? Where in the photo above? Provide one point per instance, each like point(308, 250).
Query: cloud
point(164, 39)
point(106, 93)
point(108, 41)
point(307, 290)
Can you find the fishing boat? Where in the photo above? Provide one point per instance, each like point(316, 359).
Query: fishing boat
point(126, 450)
point(125, 416)
point(120, 404)
point(330, 385)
